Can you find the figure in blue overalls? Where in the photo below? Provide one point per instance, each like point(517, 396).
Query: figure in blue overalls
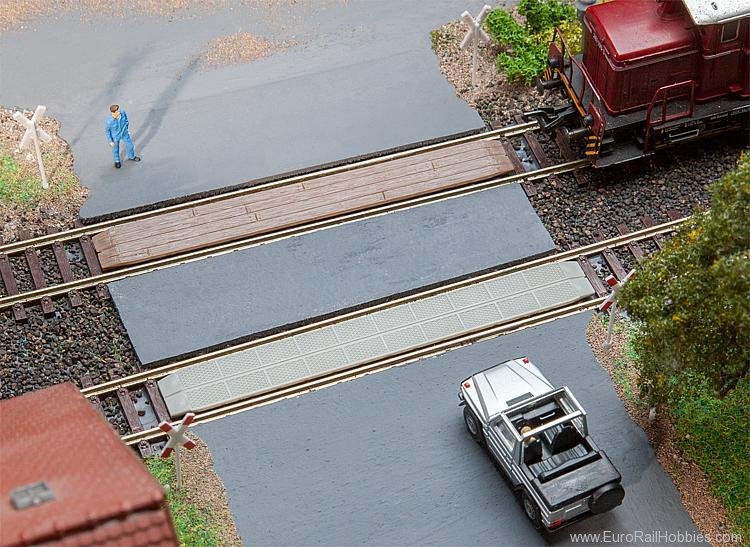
point(116, 129)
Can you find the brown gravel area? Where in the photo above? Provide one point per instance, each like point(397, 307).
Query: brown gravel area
point(494, 97)
point(239, 48)
point(15, 14)
point(59, 207)
point(705, 510)
point(204, 488)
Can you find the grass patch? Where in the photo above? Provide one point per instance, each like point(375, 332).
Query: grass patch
point(21, 185)
point(194, 525)
point(714, 433)
point(622, 378)
point(623, 374)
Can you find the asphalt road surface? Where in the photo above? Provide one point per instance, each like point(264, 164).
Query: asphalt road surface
point(385, 459)
point(358, 76)
point(214, 301)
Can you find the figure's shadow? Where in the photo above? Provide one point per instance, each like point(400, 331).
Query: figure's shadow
point(124, 66)
point(155, 116)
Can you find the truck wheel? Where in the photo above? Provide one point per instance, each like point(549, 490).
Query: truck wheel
point(473, 425)
point(606, 498)
point(532, 510)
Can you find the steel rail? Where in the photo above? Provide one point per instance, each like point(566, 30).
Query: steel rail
point(375, 365)
point(92, 229)
point(245, 243)
point(588, 250)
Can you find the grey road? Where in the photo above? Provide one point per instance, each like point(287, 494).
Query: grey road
point(358, 76)
point(217, 300)
point(385, 459)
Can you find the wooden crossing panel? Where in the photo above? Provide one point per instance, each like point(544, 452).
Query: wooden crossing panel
point(299, 203)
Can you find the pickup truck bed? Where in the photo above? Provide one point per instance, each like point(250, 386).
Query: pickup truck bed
point(570, 486)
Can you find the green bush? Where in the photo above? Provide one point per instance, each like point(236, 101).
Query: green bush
point(523, 64)
point(524, 54)
point(194, 525)
point(693, 298)
point(542, 15)
point(714, 433)
point(505, 29)
point(691, 341)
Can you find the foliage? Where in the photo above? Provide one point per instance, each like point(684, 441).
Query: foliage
point(541, 15)
point(21, 186)
point(714, 433)
point(693, 299)
point(524, 54)
point(194, 525)
point(523, 64)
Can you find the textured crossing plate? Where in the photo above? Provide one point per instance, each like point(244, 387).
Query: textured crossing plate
point(374, 336)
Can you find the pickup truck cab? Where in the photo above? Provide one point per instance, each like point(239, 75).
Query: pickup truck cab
point(539, 436)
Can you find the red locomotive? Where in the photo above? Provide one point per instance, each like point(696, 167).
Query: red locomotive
point(652, 73)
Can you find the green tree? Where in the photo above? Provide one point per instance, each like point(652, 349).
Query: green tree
point(692, 299)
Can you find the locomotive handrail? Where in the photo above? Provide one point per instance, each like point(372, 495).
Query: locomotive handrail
point(596, 105)
point(662, 95)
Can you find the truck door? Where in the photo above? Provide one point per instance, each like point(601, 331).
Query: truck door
point(501, 442)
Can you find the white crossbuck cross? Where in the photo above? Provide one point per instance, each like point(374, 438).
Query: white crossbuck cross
point(32, 135)
point(475, 32)
point(474, 35)
point(31, 127)
point(177, 435)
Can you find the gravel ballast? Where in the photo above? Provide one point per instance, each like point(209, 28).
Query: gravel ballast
point(43, 351)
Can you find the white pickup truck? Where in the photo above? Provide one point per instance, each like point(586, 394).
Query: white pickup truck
point(539, 436)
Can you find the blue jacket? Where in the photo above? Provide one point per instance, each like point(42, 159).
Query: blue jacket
point(116, 129)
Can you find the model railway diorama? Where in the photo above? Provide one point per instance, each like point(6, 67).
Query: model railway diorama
point(299, 321)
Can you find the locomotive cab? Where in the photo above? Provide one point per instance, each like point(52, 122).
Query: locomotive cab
point(652, 73)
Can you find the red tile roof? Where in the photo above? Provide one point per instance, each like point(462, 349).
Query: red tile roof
point(102, 492)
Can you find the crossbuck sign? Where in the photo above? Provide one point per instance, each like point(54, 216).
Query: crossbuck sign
point(177, 438)
point(474, 35)
point(32, 135)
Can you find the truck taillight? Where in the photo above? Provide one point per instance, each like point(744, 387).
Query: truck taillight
point(555, 525)
point(525, 360)
point(467, 385)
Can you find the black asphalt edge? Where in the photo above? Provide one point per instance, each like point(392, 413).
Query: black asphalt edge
point(336, 313)
point(280, 176)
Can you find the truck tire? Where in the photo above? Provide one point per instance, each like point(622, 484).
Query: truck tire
point(606, 498)
point(473, 425)
point(532, 510)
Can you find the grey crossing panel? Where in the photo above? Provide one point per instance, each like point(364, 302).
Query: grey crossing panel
point(405, 326)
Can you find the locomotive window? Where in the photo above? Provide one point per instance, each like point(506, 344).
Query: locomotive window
point(730, 31)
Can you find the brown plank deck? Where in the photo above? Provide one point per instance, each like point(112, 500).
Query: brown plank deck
point(300, 203)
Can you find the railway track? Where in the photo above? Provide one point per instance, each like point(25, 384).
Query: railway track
point(143, 407)
point(39, 288)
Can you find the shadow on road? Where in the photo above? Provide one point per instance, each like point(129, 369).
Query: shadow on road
point(163, 103)
point(124, 66)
